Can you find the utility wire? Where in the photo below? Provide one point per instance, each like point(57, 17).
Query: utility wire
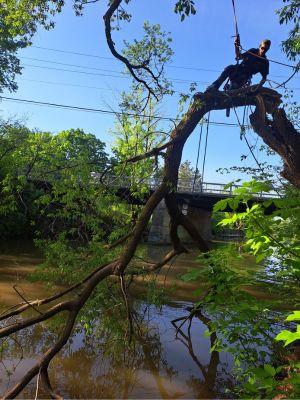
point(96, 69)
point(122, 75)
point(78, 72)
point(112, 58)
point(66, 84)
point(71, 65)
point(98, 110)
point(76, 85)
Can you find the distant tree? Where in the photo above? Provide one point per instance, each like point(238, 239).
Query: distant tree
point(188, 177)
point(136, 132)
point(47, 184)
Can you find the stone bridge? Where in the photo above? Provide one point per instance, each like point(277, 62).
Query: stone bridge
point(196, 200)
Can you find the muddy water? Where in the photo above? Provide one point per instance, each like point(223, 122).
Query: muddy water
point(95, 364)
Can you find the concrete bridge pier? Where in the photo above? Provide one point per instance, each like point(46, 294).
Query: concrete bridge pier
point(159, 230)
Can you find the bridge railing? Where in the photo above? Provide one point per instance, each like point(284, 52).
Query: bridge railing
point(189, 186)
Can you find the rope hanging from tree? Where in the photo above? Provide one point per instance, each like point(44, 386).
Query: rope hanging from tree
point(237, 43)
point(238, 48)
point(198, 154)
point(205, 147)
point(198, 151)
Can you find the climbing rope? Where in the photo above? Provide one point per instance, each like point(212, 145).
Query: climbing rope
point(198, 155)
point(238, 48)
point(237, 43)
point(205, 147)
point(273, 61)
point(243, 135)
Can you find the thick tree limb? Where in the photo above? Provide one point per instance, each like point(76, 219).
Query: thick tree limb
point(73, 307)
point(281, 136)
point(178, 218)
point(21, 307)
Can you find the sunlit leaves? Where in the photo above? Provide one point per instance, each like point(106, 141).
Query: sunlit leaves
point(295, 316)
point(271, 226)
point(136, 134)
point(185, 8)
point(19, 21)
point(290, 13)
point(288, 336)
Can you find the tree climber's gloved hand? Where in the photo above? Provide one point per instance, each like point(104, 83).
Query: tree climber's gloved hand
point(237, 45)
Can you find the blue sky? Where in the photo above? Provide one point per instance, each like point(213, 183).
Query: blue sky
point(203, 42)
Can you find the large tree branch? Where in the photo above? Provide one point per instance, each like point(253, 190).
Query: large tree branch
point(281, 136)
point(131, 67)
point(278, 133)
point(73, 307)
point(177, 219)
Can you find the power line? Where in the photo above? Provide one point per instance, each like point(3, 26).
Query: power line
point(74, 85)
point(72, 52)
point(94, 68)
point(78, 72)
point(72, 65)
point(66, 84)
point(112, 58)
point(101, 111)
point(123, 76)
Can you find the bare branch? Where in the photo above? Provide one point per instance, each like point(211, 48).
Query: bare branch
point(167, 258)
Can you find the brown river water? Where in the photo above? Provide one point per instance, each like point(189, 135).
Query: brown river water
point(96, 365)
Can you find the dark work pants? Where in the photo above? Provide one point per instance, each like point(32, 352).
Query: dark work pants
point(236, 74)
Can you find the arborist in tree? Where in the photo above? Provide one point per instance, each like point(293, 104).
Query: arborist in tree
point(254, 61)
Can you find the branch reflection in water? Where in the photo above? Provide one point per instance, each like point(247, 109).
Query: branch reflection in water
point(98, 363)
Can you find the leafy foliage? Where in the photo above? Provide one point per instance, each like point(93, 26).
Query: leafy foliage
point(246, 327)
point(271, 227)
point(137, 131)
point(185, 8)
point(19, 21)
point(153, 51)
point(290, 12)
point(48, 183)
point(188, 176)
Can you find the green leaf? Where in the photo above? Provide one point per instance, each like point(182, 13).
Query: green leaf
point(260, 257)
point(294, 317)
point(288, 337)
point(221, 205)
point(270, 370)
point(250, 387)
point(260, 372)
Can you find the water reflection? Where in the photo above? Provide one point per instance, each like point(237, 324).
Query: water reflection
point(162, 363)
